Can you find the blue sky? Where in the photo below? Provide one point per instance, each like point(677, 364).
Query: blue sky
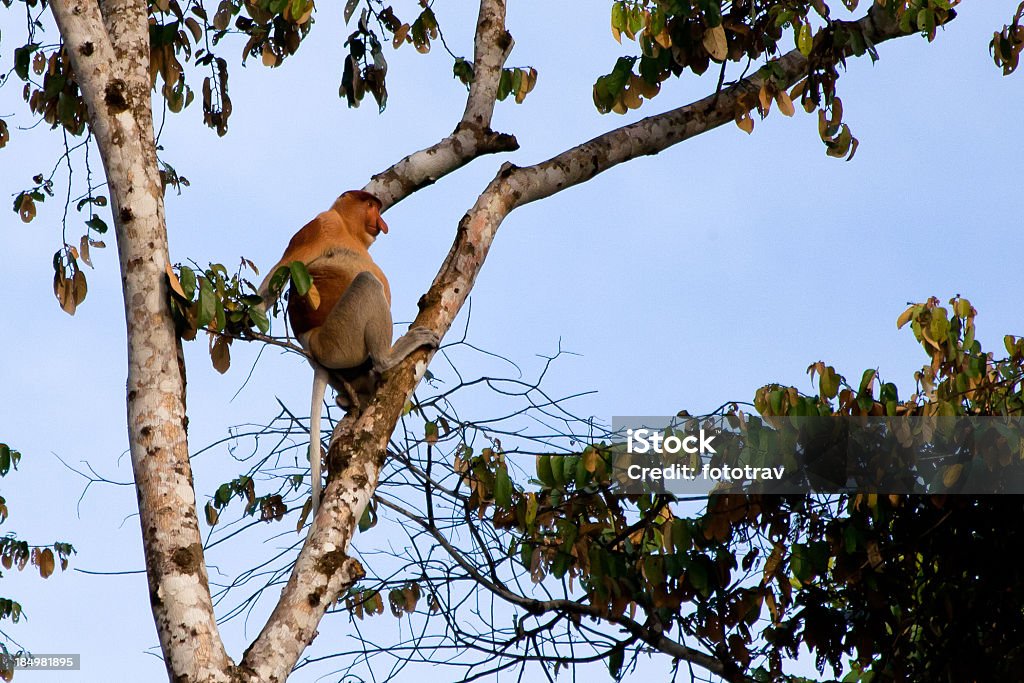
point(683, 280)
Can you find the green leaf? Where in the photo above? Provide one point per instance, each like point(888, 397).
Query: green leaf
point(223, 495)
point(545, 472)
point(698, 575)
point(98, 224)
point(187, 277)
point(865, 382)
point(219, 316)
point(939, 325)
point(350, 8)
point(368, 520)
point(300, 277)
point(207, 303)
point(560, 565)
point(22, 57)
point(681, 536)
point(259, 318)
point(503, 488)
point(558, 470)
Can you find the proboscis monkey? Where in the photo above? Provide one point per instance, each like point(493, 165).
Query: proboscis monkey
point(348, 334)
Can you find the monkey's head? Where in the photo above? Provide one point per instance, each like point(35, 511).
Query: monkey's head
point(361, 211)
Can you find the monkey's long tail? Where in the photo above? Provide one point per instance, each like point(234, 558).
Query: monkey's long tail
point(315, 410)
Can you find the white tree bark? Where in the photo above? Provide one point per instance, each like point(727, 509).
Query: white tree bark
point(108, 44)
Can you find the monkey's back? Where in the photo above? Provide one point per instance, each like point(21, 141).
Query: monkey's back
point(332, 274)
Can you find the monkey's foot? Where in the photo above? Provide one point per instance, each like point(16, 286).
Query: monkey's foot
point(348, 399)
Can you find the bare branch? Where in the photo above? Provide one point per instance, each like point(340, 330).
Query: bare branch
point(473, 136)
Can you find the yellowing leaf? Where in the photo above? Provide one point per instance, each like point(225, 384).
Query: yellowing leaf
point(715, 43)
point(314, 296)
point(764, 99)
point(631, 98)
point(269, 59)
point(175, 283)
point(905, 317)
point(643, 87)
point(785, 103)
point(804, 41)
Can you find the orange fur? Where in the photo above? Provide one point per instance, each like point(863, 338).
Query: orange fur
point(350, 225)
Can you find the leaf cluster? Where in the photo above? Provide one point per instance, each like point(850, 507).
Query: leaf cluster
point(19, 554)
point(226, 305)
point(679, 36)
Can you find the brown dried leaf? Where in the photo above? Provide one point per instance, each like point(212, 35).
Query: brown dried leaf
point(745, 123)
point(67, 296)
point(874, 555)
point(81, 287)
point(83, 249)
point(221, 355)
point(715, 43)
point(400, 35)
point(27, 208)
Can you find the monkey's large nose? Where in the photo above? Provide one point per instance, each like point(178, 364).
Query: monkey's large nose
point(381, 225)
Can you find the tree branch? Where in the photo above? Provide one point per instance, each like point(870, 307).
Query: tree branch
point(514, 186)
point(653, 637)
point(472, 136)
